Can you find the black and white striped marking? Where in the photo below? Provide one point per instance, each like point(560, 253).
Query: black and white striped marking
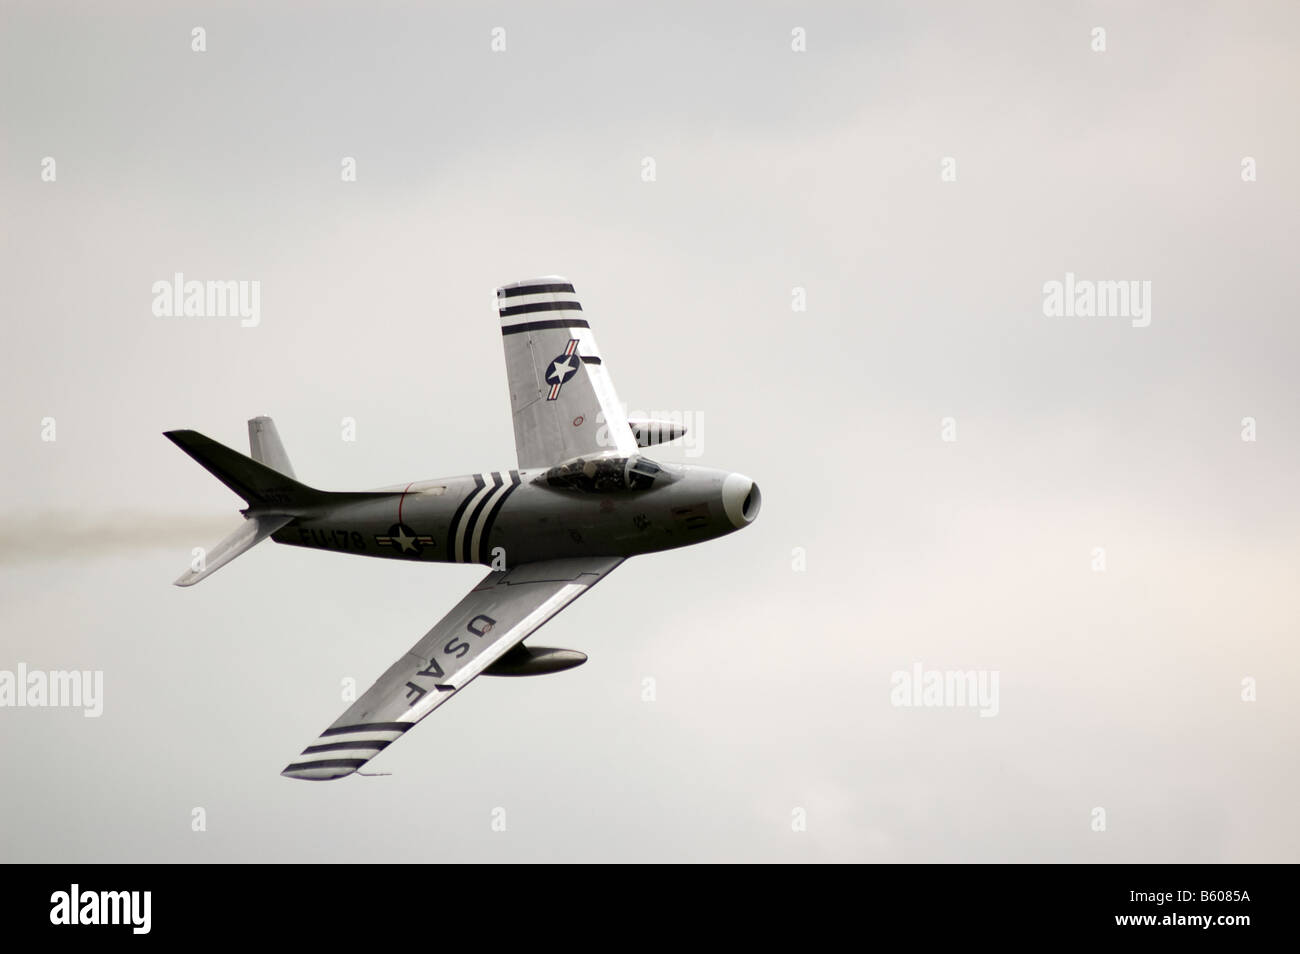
point(534, 307)
point(539, 306)
point(469, 534)
point(536, 288)
point(343, 749)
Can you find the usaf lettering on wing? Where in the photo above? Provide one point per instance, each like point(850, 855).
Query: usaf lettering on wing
point(479, 626)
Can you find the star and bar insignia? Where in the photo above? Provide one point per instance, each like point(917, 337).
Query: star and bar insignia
point(404, 540)
point(562, 368)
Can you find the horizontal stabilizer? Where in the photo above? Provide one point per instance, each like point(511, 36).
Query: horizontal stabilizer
point(247, 535)
point(260, 485)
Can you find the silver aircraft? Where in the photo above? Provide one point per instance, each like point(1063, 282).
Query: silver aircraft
point(583, 500)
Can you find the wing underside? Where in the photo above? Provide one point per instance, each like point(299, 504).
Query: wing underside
point(494, 617)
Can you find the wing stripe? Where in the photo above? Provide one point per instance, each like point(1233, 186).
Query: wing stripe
point(483, 536)
point(340, 746)
point(518, 290)
point(326, 758)
point(502, 610)
point(465, 535)
point(359, 737)
point(326, 763)
point(536, 306)
point(369, 727)
point(544, 325)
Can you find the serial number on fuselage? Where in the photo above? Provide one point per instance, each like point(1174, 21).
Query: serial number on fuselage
point(332, 539)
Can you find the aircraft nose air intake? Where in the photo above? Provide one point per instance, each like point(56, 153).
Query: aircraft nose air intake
point(740, 499)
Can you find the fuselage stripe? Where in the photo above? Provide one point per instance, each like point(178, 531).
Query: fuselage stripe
point(484, 537)
point(466, 537)
point(460, 512)
point(472, 542)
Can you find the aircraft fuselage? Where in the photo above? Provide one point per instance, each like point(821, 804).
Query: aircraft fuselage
point(505, 518)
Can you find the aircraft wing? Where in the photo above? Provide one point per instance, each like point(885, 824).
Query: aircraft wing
point(561, 395)
point(494, 617)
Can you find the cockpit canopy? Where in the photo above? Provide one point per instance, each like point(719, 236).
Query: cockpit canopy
point(610, 474)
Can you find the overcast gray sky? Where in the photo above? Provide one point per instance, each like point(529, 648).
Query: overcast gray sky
point(774, 169)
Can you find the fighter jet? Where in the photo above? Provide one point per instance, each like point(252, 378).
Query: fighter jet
point(582, 501)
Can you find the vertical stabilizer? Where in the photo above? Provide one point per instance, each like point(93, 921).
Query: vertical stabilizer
point(265, 447)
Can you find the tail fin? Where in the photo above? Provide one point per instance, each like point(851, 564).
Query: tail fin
point(265, 447)
point(265, 481)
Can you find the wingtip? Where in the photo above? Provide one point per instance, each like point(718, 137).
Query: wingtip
point(535, 280)
point(306, 773)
